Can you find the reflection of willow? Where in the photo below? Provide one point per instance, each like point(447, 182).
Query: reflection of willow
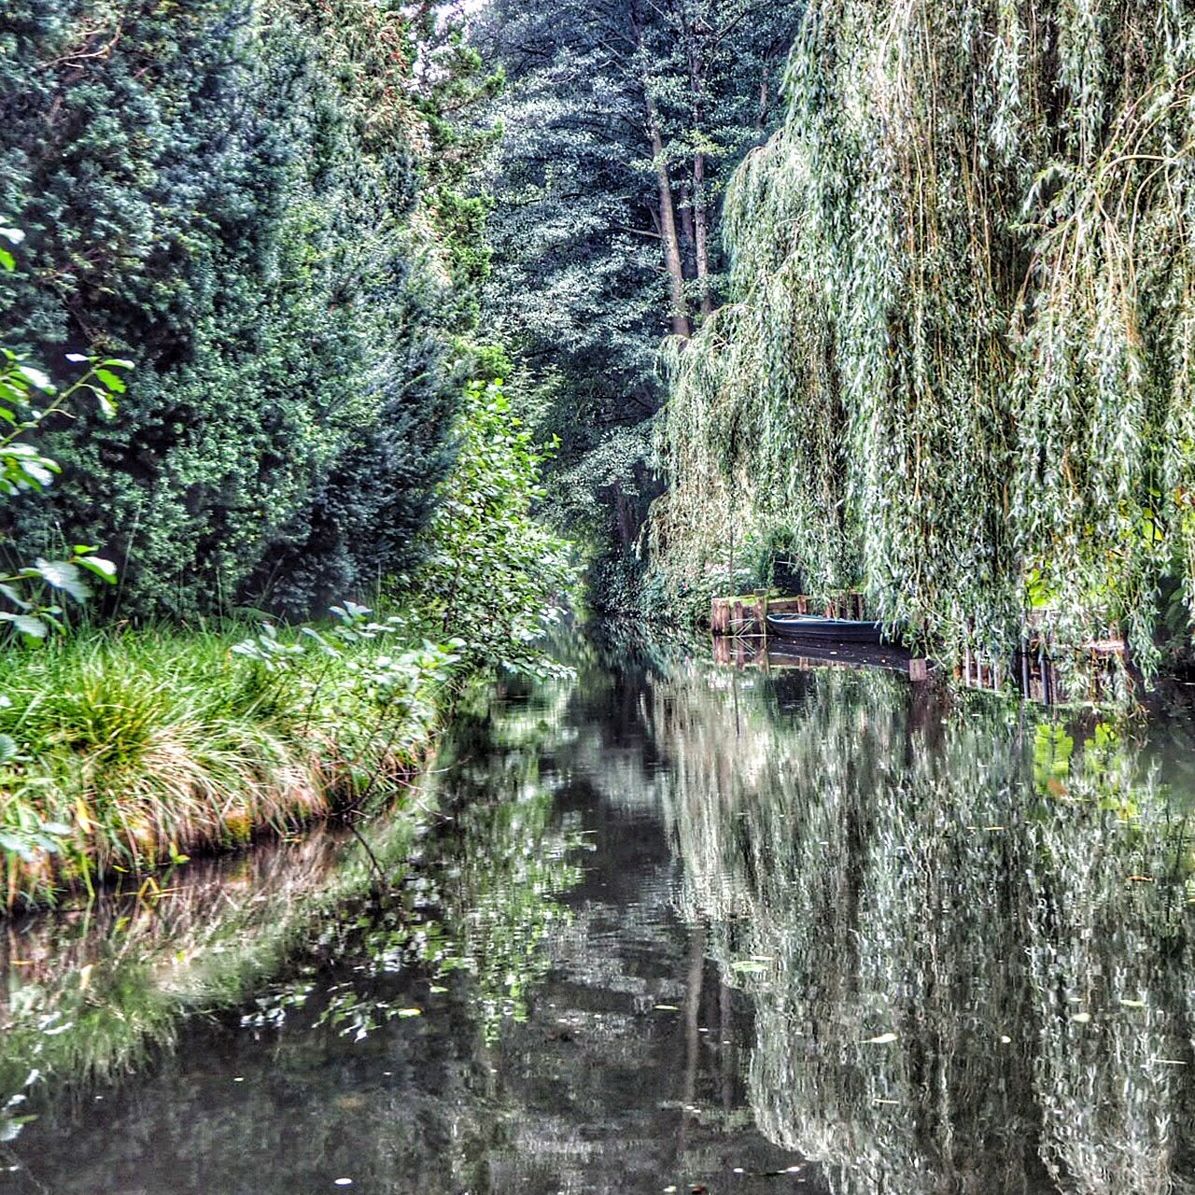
point(871, 870)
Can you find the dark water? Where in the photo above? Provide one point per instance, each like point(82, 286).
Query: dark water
point(684, 928)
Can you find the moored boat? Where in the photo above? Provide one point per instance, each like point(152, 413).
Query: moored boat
point(825, 630)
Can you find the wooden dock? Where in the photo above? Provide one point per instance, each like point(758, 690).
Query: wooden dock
point(746, 615)
point(740, 629)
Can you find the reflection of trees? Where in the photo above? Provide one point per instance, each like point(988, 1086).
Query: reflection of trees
point(326, 1084)
point(871, 870)
point(505, 861)
point(91, 993)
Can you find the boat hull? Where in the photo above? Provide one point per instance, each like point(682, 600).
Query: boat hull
point(809, 629)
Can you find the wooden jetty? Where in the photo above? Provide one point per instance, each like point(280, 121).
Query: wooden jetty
point(1034, 671)
point(741, 636)
point(746, 615)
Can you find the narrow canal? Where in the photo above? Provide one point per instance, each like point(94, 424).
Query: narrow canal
point(675, 928)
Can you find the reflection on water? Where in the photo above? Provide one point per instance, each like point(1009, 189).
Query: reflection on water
point(965, 932)
point(680, 927)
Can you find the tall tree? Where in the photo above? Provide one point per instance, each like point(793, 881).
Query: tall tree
point(622, 121)
point(958, 365)
point(255, 202)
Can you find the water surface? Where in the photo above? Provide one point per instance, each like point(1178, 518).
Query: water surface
point(679, 927)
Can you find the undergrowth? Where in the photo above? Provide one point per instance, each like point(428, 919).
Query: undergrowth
point(124, 751)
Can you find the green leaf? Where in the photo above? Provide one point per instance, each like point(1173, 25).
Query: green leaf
point(32, 627)
point(104, 569)
point(8, 748)
point(14, 595)
point(115, 384)
point(36, 473)
point(62, 574)
point(37, 378)
point(16, 845)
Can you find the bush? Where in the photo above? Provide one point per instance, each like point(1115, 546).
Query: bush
point(206, 191)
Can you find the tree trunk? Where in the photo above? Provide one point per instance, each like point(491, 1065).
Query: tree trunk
point(701, 235)
point(688, 238)
point(672, 255)
point(673, 261)
point(701, 211)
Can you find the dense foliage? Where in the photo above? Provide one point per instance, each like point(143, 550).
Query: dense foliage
point(957, 367)
point(256, 203)
point(622, 121)
point(494, 574)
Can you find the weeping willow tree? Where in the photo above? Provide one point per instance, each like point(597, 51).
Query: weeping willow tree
point(957, 368)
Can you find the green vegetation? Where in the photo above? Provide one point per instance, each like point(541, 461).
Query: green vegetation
point(125, 750)
point(134, 749)
point(261, 211)
point(494, 577)
point(955, 367)
point(622, 122)
point(98, 995)
point(252, 202)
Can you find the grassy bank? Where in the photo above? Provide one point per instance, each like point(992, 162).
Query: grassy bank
point(125, 751)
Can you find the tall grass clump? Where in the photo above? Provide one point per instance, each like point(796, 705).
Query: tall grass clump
point(958, 364)
point(130, 749)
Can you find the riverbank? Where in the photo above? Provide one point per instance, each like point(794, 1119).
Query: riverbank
point(92, 995)
point(125, 752)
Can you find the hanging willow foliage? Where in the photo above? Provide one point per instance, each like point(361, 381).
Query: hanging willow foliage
point(958, 368)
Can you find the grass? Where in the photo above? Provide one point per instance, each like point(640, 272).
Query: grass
point(131, 749)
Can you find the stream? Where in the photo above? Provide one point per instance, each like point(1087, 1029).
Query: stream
point(675, 927)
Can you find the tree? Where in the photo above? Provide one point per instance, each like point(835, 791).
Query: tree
point(957, 365)
point(240, 197)
point(622, 121)
point(496, 576)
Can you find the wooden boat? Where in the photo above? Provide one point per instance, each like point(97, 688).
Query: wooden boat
point(824, 630)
